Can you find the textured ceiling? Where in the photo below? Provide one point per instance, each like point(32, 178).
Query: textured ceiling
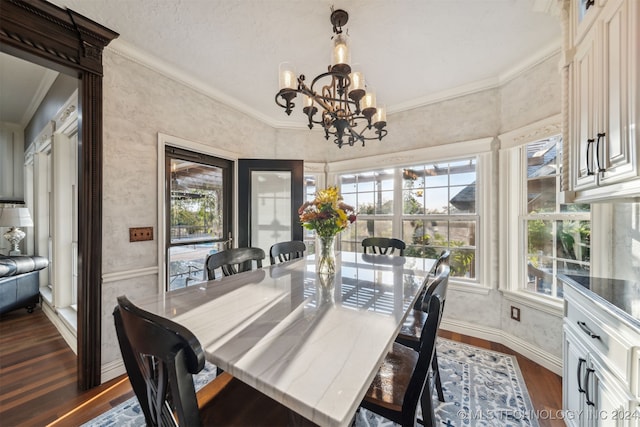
point(410, 51)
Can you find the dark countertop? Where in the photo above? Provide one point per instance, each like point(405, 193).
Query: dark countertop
point(622, 297)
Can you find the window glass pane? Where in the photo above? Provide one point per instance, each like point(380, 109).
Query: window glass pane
point(386, 180)
point(270, 196)
point(573, 242)
point(463, 172)
point(436, 233)
point(463, 199)
point(437, 200)
point(413, 202)
point(462, 233)
point(196, 201)
point(541, 194)
point(383, 228)
point(366, 182)
point(540, 241)
point(348, 184)
point(385, 202)
point(437, 175)
point(186, 266)
point(413, 177)
point(413, 232)
point(365, 203)
point(463, 263)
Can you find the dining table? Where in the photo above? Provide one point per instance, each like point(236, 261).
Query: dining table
point(311, 342)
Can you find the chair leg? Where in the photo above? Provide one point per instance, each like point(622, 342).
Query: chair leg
point(436, 373)
point(428, 413)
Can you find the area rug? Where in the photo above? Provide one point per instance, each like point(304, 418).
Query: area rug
point(481, 388)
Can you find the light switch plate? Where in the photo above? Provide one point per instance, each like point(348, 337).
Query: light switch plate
point(140, 234)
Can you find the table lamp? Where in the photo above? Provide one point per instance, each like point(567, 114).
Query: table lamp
point(15, 218)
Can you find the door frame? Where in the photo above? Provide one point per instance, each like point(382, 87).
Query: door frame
point(70, 43)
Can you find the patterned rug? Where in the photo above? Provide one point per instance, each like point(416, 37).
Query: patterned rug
point(481, 388)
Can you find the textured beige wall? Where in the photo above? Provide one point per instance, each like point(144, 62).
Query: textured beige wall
point(140, 103)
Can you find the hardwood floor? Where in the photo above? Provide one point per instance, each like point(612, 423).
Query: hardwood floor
point(38, 380)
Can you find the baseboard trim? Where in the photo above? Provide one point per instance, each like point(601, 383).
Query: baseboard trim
point(62, 326)
point(112, 370)
point(541, 357)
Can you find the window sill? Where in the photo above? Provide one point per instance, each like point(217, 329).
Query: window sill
point(555, 307)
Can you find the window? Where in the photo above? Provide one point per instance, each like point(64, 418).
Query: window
point(557, 234)
point(439, 212)
point(310, 188)
point(372, 195)
point(431, 207)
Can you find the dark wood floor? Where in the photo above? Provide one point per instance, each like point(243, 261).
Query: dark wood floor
point(38, 381)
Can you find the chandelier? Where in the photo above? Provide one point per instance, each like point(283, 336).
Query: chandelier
point(348, 109)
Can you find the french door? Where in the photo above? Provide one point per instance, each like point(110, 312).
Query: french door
point(269, 195)
point(199, 213)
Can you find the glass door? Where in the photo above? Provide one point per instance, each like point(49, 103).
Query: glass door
point(199, 213)
point(269, 195)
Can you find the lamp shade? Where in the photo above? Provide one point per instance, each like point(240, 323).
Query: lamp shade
point(15, 217)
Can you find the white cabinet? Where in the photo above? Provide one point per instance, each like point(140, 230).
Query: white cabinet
point(599, 372)
point(603, 107)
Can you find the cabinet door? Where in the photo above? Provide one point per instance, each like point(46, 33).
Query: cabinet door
point(616, 136)
point(574, 369)
point(585, 111)
point(612, 403)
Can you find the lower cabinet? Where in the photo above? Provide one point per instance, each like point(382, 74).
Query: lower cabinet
point(599, 372)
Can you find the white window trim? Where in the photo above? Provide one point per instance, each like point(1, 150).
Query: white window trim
point(512, 187)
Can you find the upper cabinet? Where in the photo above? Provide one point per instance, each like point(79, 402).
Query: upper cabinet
point(603, 99)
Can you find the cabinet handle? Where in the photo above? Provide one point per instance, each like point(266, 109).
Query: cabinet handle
point(587, 375)
point(589, 142)
point(589, 3)
point(580, 362)
point(588, 331)
point(600, 136)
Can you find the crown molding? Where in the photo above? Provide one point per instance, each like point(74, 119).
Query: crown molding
point(170, 71)
point(46, 82)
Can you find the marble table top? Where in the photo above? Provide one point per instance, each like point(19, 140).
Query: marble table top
point(312, 346)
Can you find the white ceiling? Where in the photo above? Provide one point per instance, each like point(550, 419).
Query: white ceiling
point(410, 51)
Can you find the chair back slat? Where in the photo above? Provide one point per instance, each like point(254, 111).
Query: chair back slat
point(233, 261)
point(422, 298)
point(383, 245)
point(286, 251)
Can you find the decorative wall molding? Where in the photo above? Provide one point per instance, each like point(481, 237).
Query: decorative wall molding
point(533, 132)
point(541, 357)
point(129, 274)
point(448, 151)
point(170, 71)
point(113, 370)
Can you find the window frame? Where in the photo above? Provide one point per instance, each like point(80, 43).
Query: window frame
point(512, 237)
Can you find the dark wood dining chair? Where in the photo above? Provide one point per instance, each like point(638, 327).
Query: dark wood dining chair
point(233, 261)
point(161, 357)
point(404, 378)
point(286, 251)
point(411, 329)
point(383, 245)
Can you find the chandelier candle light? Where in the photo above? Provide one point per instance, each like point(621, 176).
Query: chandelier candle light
point(349, 110)
point(328, 215)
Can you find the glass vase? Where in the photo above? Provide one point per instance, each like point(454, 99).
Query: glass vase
point(326, 256)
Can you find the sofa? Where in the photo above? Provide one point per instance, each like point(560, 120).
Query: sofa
point(19, 282)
